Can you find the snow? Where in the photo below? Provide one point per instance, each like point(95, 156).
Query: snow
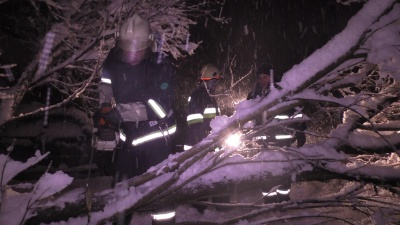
point(382, 51)
point(16, 206)
point(10, 168)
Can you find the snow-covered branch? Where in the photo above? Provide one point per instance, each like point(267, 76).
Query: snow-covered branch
point(79, 34)
point(365, 94)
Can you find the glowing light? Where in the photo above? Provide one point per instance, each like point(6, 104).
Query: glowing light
point(233, 140)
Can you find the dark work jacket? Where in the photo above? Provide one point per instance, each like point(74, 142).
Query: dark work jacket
point(139, 83)
point(199, 101)
point(258, 91)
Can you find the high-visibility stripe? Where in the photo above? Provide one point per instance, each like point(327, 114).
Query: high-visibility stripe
point(189, 99)
point(298, 116)
point(187, 147)
point(105, 80)
point(210, 112)
point(163, 216)
point(157, 108)
point(285, 117)
point(281, 117)
point(152, 136)
point(149, 137)
point(279, 191)
point(283, 192)
point(283, 136)
point(269, 193)
point(194, 118)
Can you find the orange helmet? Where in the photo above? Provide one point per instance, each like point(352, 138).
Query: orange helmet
point(209, 72)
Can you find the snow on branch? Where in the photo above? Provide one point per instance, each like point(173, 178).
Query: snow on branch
point(361, 92)
point(83, 32)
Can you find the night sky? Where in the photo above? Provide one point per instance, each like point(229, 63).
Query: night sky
point(281, 32)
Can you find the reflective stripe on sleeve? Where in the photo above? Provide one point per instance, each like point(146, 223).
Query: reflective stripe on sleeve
point(210, 112)
point(194, 118)
point(157, 108)
point(283, 136)
point(281, 117)
point(187, 147)
point(105, 80)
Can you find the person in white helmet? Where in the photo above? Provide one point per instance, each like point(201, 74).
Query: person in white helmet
point(202, 106)
point(139, 84)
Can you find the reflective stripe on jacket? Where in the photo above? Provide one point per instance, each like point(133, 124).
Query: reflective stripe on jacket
point(202, 108)
point(143, 94)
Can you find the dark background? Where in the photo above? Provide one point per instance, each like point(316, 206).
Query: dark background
point(279, 32)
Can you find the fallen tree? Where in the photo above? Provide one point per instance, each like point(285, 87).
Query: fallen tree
point(186, 176)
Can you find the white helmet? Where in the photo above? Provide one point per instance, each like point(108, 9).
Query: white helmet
point(134, 34)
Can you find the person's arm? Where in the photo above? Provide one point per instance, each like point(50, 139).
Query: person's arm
point(105, 89)
point(106, 116)
point(166, 90)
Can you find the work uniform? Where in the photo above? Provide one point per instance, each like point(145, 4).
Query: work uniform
point(282, 139)
point(143, 94)
point(299, 136)
point(202, 108)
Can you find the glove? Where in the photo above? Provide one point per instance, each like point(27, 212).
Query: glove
point(107, 117)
